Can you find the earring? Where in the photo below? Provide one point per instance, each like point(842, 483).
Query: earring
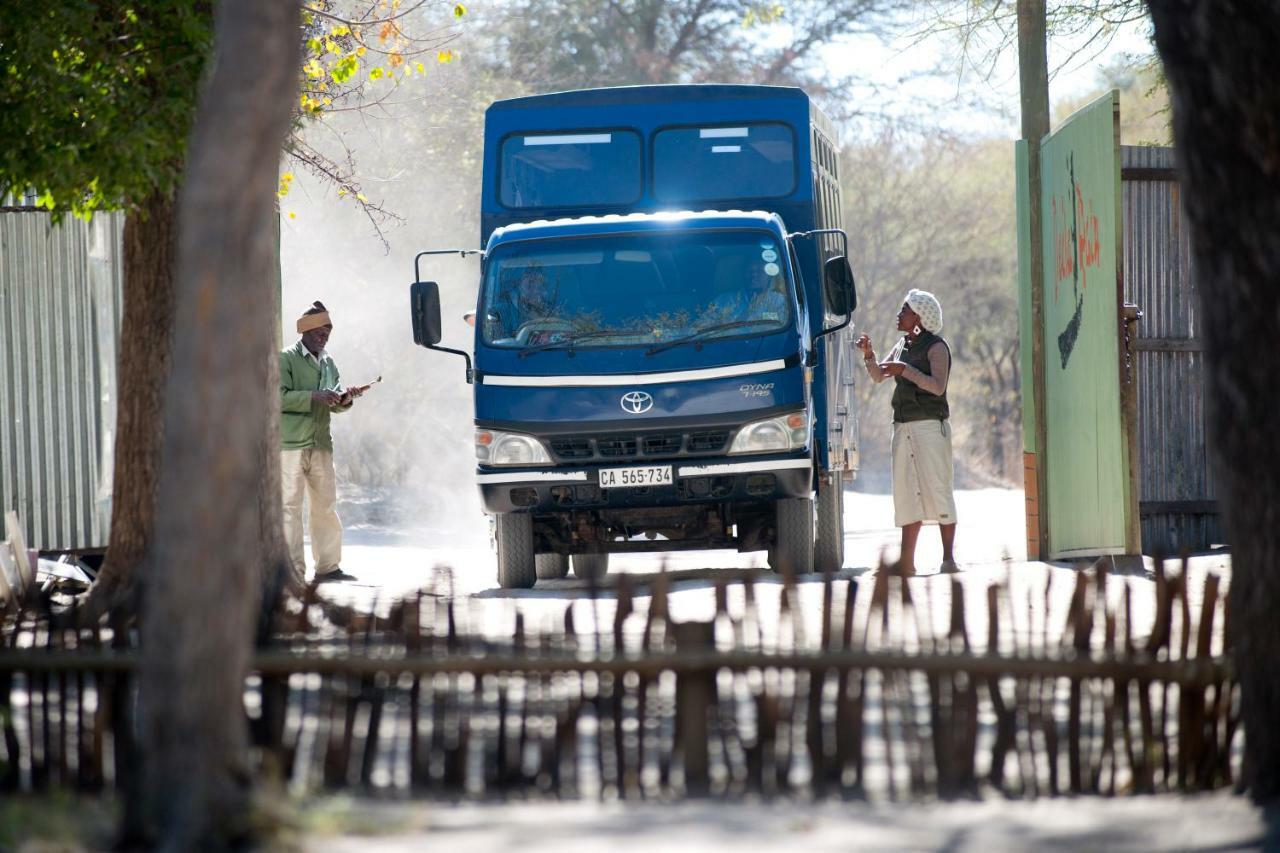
point(916, 330)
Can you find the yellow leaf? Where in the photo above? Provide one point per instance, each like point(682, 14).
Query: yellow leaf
point(361, 197)
point(396, 59)
point(293, 215)
point(444, 56)
point(420, 68)
point(459, 10)
point(360, 50)
point(286, 177)
point(341, 192)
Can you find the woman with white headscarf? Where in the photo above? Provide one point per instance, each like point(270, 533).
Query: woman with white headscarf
point(920, 364)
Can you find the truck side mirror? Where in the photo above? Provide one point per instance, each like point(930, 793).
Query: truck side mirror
point(837, 286)
point(424, 311)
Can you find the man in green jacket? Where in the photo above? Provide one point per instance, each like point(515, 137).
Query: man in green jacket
point(310, 390)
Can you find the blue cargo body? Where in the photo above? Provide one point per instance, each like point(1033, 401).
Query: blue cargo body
point(663, 355)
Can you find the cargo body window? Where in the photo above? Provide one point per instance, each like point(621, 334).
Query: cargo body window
point(570, 169)
point(722, 163)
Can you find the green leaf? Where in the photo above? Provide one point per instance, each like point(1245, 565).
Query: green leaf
point(344, 69)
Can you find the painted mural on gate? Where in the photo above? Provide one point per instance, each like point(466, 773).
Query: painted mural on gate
point(1076, 248)
point(1086, 457)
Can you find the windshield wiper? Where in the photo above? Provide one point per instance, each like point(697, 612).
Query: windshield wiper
point(698, 335)
point(567, 342)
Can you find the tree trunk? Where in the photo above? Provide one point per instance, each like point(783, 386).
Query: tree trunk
point(278, 575)
point(146, 343)
point(1219, 57)
point(202, 590)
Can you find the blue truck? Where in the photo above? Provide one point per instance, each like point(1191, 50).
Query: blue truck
point(663, 332)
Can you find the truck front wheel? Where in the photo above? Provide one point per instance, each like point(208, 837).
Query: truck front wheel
point(829, 548)
point(516, 565)
point(792, 551)
point(590, 566)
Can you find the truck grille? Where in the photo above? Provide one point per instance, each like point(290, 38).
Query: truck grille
point(588, 448)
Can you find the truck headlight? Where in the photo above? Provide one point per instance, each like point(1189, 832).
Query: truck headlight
point(785, 432)
point(494, 447)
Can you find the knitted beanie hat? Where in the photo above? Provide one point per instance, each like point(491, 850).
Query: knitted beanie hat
point(927, 308)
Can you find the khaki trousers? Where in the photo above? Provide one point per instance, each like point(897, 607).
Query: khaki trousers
point(311, 471)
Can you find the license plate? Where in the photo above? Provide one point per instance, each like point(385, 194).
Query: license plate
point(642, 475)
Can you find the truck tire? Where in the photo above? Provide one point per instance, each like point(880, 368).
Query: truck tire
point(828, 548)
point(792, 551)
point(516, 566)
point(551, 566)
point(590, 566)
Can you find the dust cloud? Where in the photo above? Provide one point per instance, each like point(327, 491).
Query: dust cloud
point(403, 453)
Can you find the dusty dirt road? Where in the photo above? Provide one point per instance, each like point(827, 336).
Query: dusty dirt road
point(1212, 822)
point(991, 550)
point(991, 531)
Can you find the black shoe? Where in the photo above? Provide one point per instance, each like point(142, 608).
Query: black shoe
point(335, 575)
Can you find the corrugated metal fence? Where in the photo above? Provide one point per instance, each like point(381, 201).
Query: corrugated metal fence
point(1177, 489)
point(60, 291)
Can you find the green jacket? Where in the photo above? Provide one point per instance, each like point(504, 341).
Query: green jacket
point(304, 423)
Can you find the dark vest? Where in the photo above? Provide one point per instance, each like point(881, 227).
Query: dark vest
point(910, 403)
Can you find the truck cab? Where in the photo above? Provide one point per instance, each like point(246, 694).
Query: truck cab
point(662, 348)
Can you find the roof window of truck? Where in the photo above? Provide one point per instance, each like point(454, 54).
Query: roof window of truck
point(747, 161)
point(570, 169)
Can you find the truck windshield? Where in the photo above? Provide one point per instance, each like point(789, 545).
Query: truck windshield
point(635, 290)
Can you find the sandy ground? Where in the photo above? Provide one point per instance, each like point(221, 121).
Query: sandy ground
point(1210, 822)
point(990, 548)
point(990, 532)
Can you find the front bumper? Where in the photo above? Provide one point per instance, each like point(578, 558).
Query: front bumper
point(696, 481)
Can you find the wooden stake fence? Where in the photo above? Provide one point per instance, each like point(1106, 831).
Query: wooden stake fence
point(868, 700)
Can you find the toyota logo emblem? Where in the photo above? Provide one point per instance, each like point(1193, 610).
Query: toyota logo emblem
point(637, 402)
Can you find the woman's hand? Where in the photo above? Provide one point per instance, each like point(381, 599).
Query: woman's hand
point(864, 343)
point(893, 368)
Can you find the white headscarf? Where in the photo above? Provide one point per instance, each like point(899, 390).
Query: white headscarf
point(927, 308)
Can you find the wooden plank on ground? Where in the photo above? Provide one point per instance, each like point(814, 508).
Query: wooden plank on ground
point(8, 575)
point(26, 572)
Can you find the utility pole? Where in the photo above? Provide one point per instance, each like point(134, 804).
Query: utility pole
point(1033, 83)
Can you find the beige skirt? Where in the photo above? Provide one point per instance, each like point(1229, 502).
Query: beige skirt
point(922, 473)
